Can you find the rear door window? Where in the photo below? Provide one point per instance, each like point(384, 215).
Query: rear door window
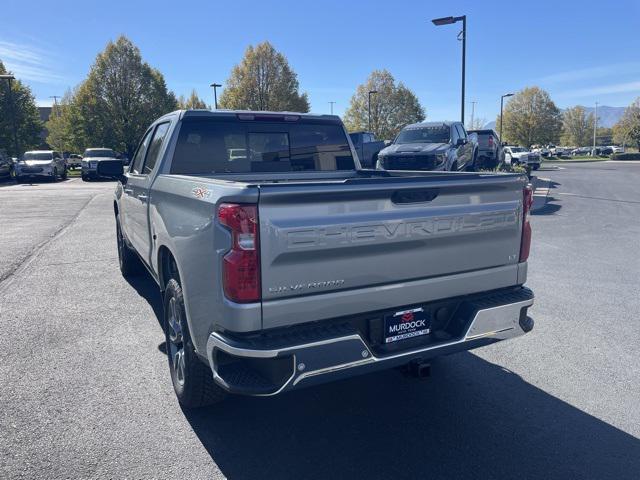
point(214, 145)
point(138, 158)
point(155, 147)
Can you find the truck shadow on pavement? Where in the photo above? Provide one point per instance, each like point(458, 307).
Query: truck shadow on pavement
point(549, 206)
point(472, 419)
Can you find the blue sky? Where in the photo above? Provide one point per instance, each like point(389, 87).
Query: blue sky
point(579, 53)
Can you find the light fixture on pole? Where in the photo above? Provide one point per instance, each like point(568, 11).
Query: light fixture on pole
point(501, 108)
point(215, 93)
point(448, 21)
point(369, 109)
point(9, 78)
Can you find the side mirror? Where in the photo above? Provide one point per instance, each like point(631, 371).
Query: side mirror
point(388, 142)
point(460, 142)
point(111, 168)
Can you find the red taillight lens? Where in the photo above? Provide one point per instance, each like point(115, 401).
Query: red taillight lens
point(525, 243)
point(241, 266)
point(490, 141)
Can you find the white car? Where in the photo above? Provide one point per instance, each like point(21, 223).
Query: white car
point(521, 156)
point(617, 149)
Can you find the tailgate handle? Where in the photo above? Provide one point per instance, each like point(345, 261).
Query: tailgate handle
point(414, 196)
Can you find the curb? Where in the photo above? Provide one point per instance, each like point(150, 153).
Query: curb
point(540, 193)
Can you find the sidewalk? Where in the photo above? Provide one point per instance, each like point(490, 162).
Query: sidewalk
point(540, 192)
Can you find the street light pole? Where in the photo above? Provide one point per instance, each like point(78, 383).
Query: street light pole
point(331, 103)
point(501, 108)
point(595, 128)
point(8, 78)
point(473, 110)
point(215, 93)
point(448, 21)
point(55, 102)
point(369, 109)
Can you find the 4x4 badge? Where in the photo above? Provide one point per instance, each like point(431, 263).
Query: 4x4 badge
point(201, 192)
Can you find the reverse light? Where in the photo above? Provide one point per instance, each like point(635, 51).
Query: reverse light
point(241, 265)
point(525, 243)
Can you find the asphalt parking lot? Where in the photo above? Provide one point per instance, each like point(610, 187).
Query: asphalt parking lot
point(86, 391)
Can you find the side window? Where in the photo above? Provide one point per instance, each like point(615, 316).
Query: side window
point(138, 158)
point(461, 132)
point(155, 147)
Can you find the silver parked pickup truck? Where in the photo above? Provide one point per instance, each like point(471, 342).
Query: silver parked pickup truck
point(283, 264)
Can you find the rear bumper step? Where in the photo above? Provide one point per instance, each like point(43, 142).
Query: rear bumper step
point(271, 366)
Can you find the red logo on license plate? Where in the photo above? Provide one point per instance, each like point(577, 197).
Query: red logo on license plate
point(407, 317)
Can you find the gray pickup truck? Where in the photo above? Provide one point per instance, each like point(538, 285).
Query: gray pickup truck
point(283, 264)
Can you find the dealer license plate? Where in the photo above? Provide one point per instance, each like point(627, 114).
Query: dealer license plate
point(406, 324)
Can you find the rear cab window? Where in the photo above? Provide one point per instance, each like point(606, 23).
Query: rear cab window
point(219, 145)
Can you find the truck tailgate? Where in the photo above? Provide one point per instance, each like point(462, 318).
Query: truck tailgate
point(319, 238)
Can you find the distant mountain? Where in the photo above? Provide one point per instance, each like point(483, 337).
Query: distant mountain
point(607, 116)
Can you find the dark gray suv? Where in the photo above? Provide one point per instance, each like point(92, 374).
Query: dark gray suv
point(430, 146)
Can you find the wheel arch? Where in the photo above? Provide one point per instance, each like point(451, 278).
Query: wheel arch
point(167, 266)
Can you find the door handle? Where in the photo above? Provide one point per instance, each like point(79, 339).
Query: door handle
point(143, 198)
point(128, 191)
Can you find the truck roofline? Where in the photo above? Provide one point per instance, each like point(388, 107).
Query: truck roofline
point(233, 113)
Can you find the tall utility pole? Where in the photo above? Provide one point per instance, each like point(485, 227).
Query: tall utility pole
point(595, 128)
point(215, 93)
point(463, 37)
point(369, 111)
point(331, 103)
point(473, 110)
point(55, 102)
point(8, 78)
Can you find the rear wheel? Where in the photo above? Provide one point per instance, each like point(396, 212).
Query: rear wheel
point(192, 379)
point(129, 263)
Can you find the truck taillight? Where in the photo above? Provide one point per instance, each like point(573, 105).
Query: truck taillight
point(490, 141)
point(525, 243)
point(241, 265)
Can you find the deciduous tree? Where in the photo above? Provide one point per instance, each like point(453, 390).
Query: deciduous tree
point(531, 117)
point(28, 124)
point(627, 130)
point(577, 127)
point(194, 102)
point(263, 80)
point(113, 107)
point(392, 107)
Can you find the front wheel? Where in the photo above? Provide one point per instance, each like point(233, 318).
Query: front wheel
point(64, 174)
point(192, 379)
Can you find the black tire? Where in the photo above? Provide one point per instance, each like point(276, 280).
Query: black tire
point(64, 174)
point(474, 167)
point(129, 262)
point(55, 175)
point(192, 379)
point(85, 178)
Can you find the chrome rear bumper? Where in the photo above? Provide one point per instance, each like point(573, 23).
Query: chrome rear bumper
point(302, 364)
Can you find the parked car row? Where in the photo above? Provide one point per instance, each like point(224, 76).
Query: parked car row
point(54, 165)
